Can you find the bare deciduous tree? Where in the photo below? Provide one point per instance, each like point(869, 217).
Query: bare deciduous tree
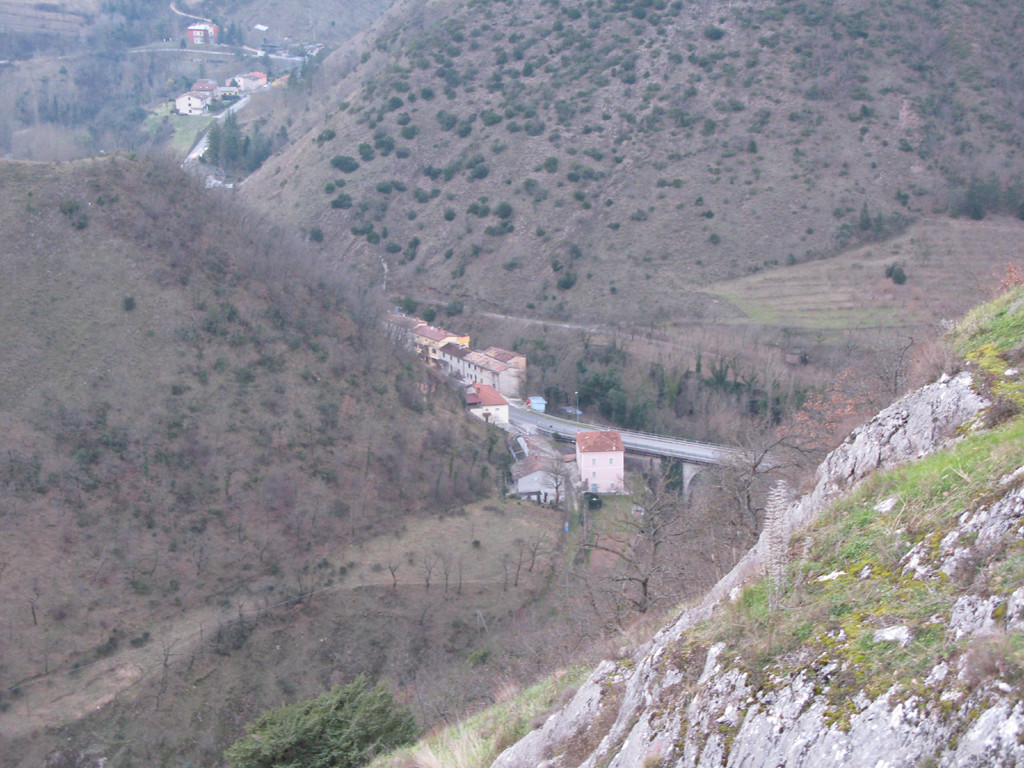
point(560, 477)
point(642, 541)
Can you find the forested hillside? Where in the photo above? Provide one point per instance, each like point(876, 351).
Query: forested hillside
point(205, 427)
point(607, 159)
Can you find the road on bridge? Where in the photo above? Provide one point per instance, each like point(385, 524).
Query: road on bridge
point(635, 442)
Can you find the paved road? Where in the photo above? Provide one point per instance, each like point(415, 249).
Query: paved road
point(635, 442)
point(200, 148)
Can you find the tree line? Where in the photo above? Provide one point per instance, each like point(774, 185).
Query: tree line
point(229, 148)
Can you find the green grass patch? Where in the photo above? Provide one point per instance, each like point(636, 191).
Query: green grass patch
point(187, 128)
point(999, 323)
point(859, 550)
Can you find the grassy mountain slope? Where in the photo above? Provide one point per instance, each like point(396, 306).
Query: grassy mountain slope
point(612, 158)
point(212, 453)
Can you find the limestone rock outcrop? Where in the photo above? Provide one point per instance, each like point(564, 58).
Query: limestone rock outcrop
point(676, 703)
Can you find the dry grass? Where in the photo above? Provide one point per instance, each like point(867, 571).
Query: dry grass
point(951, 265)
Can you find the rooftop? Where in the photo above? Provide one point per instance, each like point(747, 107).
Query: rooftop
point(526, 466)
point(453, 349)
point(485, 361)
point(503, 355)
point(434, 334)
point(599, 441)
point(489, 396)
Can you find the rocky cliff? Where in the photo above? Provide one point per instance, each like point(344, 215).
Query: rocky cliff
point(888, 635)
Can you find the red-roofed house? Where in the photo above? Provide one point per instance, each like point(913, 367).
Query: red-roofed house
point(601, 459)
point(202, 33)
point(488, 404)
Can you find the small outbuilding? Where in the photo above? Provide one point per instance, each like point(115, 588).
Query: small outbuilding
point(537, 403)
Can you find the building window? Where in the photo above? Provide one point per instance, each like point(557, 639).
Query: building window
point(593, 462)
point(594, 473)
point(612, 486)
point(611, 460)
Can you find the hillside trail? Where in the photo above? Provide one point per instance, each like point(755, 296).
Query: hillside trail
point(63, 696)
point(174, 9)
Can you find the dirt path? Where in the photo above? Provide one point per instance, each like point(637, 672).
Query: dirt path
point(174, 9)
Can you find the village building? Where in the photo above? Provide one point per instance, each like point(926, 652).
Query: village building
point(428, 341)
point(532, 477)
point(250, 81)
point(192, 104)
point(509, 358)
point(499, 368)
point(600, 457)
point(486, 403)
point(514, 380)
point(202, 33)
point(425, 340)
point(473, 366)
point(546, 477)
point(205, 87)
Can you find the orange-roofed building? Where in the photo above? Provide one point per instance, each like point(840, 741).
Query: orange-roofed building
point(601, 459)
point(487, 403)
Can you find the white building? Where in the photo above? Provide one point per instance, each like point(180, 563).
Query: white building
point(486, 402)
point(192, 104)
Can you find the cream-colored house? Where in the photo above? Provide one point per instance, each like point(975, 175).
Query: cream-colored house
point(250, 81)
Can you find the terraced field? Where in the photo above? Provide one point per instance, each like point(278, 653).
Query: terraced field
point(851, 291)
